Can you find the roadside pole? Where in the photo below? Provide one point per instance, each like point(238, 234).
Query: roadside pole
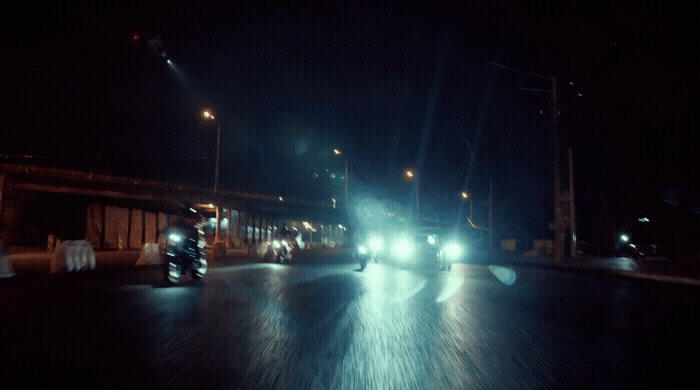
point(491, 219)
point(216, 180)
point(346, 183)
point(558, 228)
point(572, 217)
point(558, 242)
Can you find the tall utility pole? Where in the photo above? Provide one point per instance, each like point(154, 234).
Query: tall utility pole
point(558, 242)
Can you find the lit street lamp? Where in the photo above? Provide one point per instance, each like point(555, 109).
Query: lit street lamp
point(209, 116)
point(339, 152)
point(411, 175)
point(467, 196)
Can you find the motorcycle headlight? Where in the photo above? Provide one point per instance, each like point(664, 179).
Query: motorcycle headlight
point(453, 250)
point(362, 250)
point(431, 240)
point(276, 244)
point(403, 248)
point(376, 244)
point(174, 238)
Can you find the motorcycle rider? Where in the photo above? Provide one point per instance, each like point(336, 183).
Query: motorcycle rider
point(287, 242)
point(185, 246)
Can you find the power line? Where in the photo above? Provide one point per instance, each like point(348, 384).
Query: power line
point(518, 70)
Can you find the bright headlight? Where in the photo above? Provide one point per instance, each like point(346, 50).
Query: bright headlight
point(376, 244)
point(402, 248)
point(453, 250)
point(174, 237)
point(431, 240)
point(362, 249)
point(276, 244)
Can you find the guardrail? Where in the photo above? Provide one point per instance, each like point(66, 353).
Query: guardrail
point(5, 266)
point(150, 254)
point(77, 255)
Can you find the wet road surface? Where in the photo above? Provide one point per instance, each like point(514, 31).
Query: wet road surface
point(321, 326)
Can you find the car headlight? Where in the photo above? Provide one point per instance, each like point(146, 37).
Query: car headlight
point(362, 250)
point(376, 244)
point(403, 248)
point(431, 240)
point(276, 244)
point(453, 251)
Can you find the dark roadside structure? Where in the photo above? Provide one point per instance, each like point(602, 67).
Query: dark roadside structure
point(43, 205)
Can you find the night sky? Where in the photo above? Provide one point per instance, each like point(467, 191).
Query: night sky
point(291, 81)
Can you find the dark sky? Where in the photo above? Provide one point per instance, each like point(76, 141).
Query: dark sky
point(291, 81)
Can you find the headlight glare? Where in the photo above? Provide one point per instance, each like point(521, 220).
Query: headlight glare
point(453, 250)
point(362, 250)
point(403, 248)
point(376, 244)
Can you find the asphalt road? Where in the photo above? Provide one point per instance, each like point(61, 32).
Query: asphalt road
point(320, 326)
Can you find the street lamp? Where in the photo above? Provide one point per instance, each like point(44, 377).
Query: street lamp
point(467, 196)
point(339, 152)
point(207, 115)
point(411, 175)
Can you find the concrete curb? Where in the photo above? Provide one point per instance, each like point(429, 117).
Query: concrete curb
point(609, 271)
point(656, 277)
point(41, 262)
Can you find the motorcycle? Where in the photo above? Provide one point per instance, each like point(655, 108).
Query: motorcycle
point(282, 250)
point(184, 252)
point(362, 256)
point(368, 250)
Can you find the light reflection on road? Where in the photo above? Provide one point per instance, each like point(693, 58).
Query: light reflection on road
point(305, 326)
point(505, 275)
point(383, 352)
point(450, 288)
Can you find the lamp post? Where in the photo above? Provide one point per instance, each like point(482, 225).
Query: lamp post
point(467, 196)
point(411, 175)
point(339, 152)
point(208, 116)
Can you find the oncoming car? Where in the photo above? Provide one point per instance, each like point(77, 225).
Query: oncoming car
point(418, 247)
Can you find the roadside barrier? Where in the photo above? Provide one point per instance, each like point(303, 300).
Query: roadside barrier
point(76, 255)
point(150, 254)
point(5, 266)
